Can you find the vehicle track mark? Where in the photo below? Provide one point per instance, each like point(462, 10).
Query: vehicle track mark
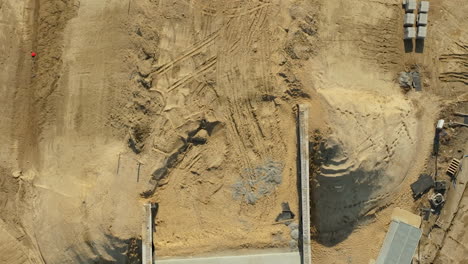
point(193, 50)
point(454, 77)
point(248, 11)
point(207, 65)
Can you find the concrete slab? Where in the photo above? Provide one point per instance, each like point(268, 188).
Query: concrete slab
point(422, 19)
point(273, 258)
point(147, 236)
point(424, 7)
point(409, 19)
point(303, 118)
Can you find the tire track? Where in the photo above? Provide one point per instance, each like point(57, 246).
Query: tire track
point(248, 12)
point(206, 66)
point(461, 77)
point(193, 50)
point(452, 76)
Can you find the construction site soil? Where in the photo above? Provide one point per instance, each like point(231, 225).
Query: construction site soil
point(191, 104)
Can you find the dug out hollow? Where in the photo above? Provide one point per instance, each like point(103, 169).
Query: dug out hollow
point(346, 185)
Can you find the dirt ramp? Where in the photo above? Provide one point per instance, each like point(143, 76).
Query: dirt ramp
point(359, 163)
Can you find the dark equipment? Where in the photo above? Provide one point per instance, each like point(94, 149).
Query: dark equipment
point(440, 187)
point(422, 185)
point(437, 201)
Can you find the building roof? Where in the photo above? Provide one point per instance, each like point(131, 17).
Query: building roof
point(410, 33)
point(424, 7)
point(409, 19)
point(410, 5)
point(422, 32)
point(422, 19)
point(400, 244)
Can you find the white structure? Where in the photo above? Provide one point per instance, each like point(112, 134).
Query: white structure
point(410, 6)
point(410, 33)
point(400, 244)
point(422, 32)
point(422, 19)
point(303, 118)
point(440, 124)
point(409, 19)
point(267, 258)
point(147, 236)
point(424, 7)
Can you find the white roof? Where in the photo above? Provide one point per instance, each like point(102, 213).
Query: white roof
point(424, 7)
point(422, 32)
point(400, 244)
point(410, 33)
point(410, 5)
point(409, 19)
point(422, 19)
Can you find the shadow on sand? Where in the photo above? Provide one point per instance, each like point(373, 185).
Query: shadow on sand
point(341, 202)
point(408, 44)
point(419, 45)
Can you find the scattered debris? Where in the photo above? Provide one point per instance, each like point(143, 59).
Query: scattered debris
point(286, 213)
point(410, 79)
point(258, 182)
point(422, 185)
point(406, 80)
point(426, 213)
point(440, 187)
point(295, 234)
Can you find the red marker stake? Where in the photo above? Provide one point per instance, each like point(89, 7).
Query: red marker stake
point(33, 54)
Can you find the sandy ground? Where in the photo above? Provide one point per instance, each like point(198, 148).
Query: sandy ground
point(191, 104)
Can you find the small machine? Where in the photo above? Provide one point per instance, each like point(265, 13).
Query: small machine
point(437, 200)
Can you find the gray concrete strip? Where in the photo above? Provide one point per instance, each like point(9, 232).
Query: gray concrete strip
point(273, 258)
point(303, 117)
point(147, 236)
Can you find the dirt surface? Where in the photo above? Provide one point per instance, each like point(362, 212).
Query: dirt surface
point(191, 104)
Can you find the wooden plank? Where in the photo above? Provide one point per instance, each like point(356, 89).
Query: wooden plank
point(303, 116)
point(147, 236)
